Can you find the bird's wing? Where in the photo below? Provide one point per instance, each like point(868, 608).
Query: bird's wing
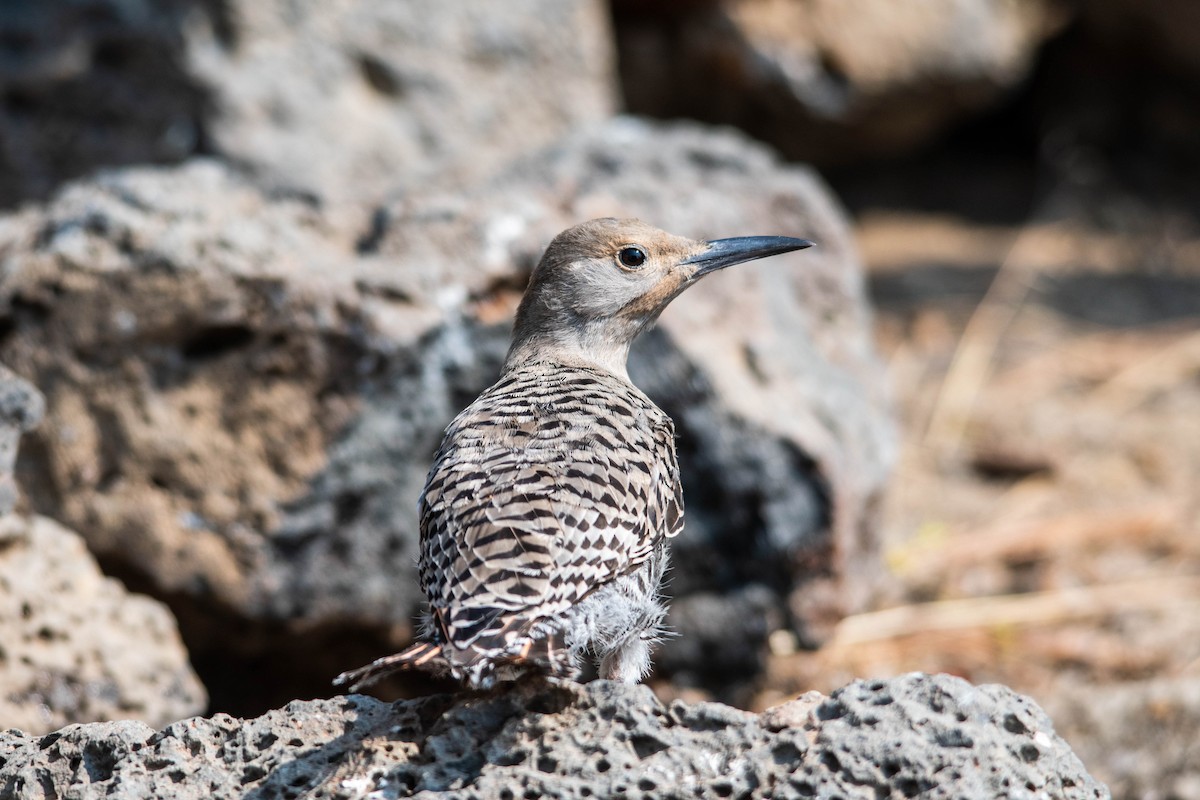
point(667, 506)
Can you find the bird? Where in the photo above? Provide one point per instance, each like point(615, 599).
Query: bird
point(546, 516)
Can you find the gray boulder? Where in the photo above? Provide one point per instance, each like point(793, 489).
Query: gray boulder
point(243, 392)
point(21, 409)
point(354, 99)
point(346, 101)
point(825, 80)
point(75, 646)
point(911, 736)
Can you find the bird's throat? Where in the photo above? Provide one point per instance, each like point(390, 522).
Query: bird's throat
point(571, 347)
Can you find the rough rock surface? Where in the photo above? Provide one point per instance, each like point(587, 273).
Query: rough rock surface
point(21, 409)
point(243, 396)
point(74, 645)
point(916, 735)
point(356, 98)
point(829, 80)
point(347, 100)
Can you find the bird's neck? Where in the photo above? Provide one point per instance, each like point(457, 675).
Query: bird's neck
point(570, 348)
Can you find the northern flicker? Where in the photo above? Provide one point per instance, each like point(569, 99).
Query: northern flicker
point(546, 516)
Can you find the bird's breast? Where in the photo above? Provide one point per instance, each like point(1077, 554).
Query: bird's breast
point(559, 413)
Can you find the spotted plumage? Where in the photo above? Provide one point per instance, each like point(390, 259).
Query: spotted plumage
point(546, 514)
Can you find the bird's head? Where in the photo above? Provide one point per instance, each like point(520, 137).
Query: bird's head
point(602, 282)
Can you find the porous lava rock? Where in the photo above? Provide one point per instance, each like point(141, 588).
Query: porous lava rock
point(75, 646)
point(911, 736)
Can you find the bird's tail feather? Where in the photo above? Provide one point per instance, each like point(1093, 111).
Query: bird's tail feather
point(424, 656)
point(478, 664)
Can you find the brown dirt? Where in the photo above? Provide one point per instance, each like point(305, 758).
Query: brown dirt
point(1042, 526)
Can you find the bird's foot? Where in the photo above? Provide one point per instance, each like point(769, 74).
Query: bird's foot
point(423, 655)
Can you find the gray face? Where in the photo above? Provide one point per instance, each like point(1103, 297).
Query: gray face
point(602, 282)
point(608, 279)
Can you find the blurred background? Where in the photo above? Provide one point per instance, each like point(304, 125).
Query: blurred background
point(238, 236)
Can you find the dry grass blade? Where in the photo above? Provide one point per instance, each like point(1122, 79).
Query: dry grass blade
point(1136, 383)
point(971, 364)
point(1040, 608)
point(1017, 541)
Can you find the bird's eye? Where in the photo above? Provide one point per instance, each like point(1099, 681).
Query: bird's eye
point(631, 257)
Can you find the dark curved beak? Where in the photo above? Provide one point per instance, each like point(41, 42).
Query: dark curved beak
point(723, 253)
